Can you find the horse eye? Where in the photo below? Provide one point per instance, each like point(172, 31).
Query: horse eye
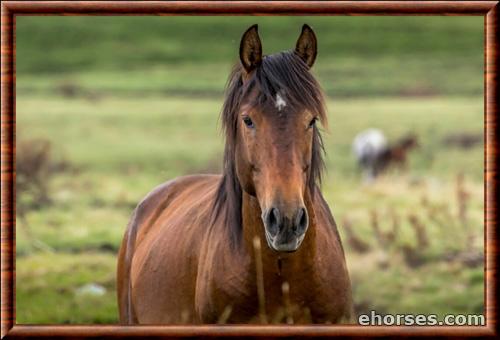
point(248, 122)
point(313, 122)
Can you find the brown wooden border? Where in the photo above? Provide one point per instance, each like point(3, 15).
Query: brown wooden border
point(10, 9)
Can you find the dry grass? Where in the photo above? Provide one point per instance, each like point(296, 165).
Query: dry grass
point(353, 240)
point(260, 280)
point(391, 240)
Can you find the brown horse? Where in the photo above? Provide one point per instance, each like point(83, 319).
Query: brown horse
point(396, 154)
point(191, 250)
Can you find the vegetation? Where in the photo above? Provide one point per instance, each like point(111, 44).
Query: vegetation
point(122, 104)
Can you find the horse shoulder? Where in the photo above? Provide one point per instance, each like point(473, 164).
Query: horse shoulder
point(142, 219)
point(163, 197)
point(126, 252)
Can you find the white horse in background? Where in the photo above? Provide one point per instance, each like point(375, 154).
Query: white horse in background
point(368, 147)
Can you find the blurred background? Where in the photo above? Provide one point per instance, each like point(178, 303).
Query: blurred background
point(109, 107)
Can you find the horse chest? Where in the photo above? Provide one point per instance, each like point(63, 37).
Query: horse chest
point(236, 292)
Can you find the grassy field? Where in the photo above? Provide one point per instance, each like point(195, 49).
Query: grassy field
point(128, 103)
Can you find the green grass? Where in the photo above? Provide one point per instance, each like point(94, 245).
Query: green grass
point(56, 297)
point(168, 40)
point(375, 56)
point(130, 102)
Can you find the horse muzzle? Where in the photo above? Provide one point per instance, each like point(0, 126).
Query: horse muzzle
point(285, 233)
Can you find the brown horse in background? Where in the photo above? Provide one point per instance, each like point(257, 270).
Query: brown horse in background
point(191, 252)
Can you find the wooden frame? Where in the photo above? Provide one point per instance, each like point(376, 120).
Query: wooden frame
point(11, 9)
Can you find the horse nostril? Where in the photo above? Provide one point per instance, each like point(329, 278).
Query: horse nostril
point(273, 220)
point(301, 220)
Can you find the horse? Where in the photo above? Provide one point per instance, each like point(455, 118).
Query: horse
point(368, 147)
point(397, 153)
point(192, 250)
point(375, 155)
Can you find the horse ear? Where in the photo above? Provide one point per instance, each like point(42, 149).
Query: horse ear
point(250, 49)
point(306, 47)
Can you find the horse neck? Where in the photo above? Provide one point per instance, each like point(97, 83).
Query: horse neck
point(272, 260)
